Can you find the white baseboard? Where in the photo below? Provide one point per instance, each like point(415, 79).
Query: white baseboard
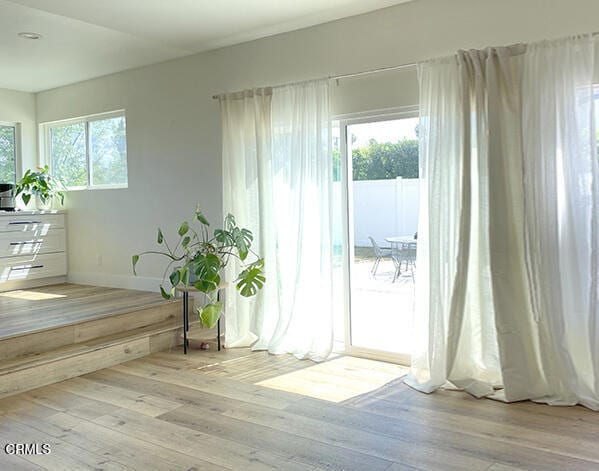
point(109, 280)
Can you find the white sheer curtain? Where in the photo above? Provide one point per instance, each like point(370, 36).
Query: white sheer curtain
point(562, 215)
point(247, 184)
point(278, 181)
point(507, 305)
point(456, 342)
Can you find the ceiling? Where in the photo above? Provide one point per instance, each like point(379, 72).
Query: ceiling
point(83, 39)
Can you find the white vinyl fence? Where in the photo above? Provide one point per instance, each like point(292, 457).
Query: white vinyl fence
point(383, 208)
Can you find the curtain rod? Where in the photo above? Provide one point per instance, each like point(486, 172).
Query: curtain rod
point(373, 71)
point(344, 76)
point(365, 72)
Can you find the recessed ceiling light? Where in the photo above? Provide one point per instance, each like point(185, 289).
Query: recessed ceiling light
point(29, 35)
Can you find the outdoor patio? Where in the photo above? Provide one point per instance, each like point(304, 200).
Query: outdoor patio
point(382, 310)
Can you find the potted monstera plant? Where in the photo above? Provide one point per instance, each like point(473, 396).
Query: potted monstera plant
point(41, 185)
point(198, 258)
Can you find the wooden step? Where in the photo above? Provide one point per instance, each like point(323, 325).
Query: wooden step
point(40, 369)
point(115, 321)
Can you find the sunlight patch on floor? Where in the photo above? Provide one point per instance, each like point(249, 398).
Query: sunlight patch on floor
point(31, 295)
point(337, 380)
point(225, 363)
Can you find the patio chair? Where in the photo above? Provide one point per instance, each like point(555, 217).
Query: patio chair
point(379, 253)
point(404, 252)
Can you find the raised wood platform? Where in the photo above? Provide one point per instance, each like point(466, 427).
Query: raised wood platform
point(36, 309)
point(58, 332)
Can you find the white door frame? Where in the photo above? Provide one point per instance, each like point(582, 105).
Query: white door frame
point(347, 222)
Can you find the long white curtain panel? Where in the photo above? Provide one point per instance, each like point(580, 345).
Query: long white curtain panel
point(507, 303)
point(277, 171)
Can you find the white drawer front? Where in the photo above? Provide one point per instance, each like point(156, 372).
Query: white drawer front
point(38, 223)
point(32, 267)
point(25, 243)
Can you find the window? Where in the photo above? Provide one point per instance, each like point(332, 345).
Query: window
point(89, 152)
point(8, 153)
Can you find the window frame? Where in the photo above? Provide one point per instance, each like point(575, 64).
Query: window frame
point(46, 144)
point(18, 156)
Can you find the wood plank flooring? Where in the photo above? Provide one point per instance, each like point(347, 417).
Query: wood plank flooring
point(239, 410)
point(25, 311)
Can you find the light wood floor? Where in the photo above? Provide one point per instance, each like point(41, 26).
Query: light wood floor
point(251, 411)
point(34, 309)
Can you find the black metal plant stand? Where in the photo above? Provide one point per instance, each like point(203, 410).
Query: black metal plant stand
point(185, 292)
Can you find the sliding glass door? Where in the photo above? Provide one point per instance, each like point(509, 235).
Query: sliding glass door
point(378, 179)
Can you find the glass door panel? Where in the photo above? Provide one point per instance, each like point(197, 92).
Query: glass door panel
point(382, 202)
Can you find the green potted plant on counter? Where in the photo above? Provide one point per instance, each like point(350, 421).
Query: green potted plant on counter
point(41, 185)
point(198, 258)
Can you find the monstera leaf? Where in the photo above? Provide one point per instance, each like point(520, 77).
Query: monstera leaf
point(251, 279)
point(223, 237)
point(183, 228)
point(210, 314)
point(207, 271)
point(230, 222)
point(200, 217)
point(134, 260)
point(164, 294)
point(242, 238)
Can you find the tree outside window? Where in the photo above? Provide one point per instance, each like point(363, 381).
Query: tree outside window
point(7, 154)
point(90, 153)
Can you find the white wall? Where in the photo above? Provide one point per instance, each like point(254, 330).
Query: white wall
point(19, 107)
point(173, 124)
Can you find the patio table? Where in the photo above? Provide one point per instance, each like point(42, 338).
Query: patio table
point(405, 239)
point(396, 243)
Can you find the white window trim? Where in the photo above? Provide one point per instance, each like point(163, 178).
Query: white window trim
point(18, 155)
point(45, 145)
